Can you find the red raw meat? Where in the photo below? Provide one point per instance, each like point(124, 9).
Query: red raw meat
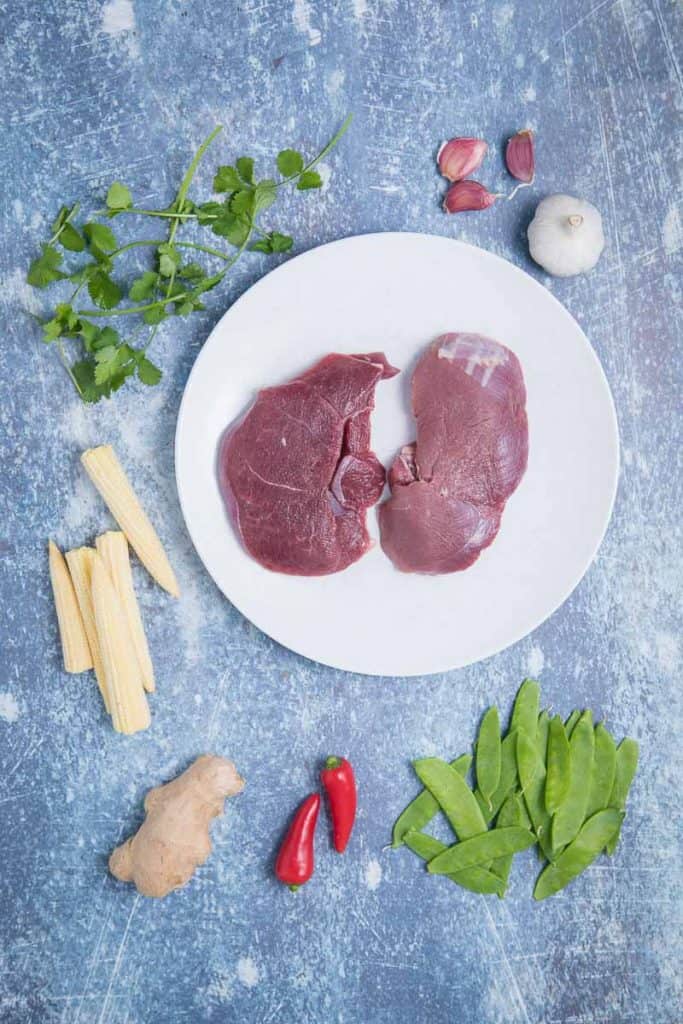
point(449, 488)
point(297, 473)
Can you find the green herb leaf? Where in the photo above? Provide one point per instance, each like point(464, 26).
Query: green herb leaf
point(191, 272)
point(290, 162)
point(107, 336)
point(143, 287)
point(107, 360)
point(45, 268)
point(309, 179)
point(84, 374)
point(169, 259)
point(119, 197)
point(245, 168)
point(148, 373)
point(52, 329)
point(281, 243)
point(227, 179)
point(264, 194)
point(104, 292)
point(99, 236)
point(243, 202)
point(207, 212)
point(71, 239)
point(230, 226)
point(154, 316)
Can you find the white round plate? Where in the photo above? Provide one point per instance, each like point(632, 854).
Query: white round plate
point(396, 292)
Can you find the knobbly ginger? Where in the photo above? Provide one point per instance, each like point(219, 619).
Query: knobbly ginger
point(174, 838)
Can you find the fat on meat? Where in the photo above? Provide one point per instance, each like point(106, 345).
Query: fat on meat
point(297, 472)
point(450, 486)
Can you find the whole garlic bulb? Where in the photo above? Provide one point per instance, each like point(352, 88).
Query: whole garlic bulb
point(565, 236)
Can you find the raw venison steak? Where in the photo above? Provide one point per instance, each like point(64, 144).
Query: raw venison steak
point(297, 473)
point(449, 488)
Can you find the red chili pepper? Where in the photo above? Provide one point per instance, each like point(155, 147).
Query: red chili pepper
point(294, 864)
point(340, 786)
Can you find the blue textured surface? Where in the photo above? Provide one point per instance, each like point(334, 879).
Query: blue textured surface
point(96, 91)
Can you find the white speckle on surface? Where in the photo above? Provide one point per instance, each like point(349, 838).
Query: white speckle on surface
point(325, 172)
point(502, 16)
point(672, 232)
point(543, 55)
point(301, 16)
point(459, 59)
point(247, 971)
point(535, 661)
point(118, 16)
point(529, 94)
point(373, 874)
point(82, 508)
point(520, 60)
point(360, 8)
point(335, 82)
point(9, 708)
point(668, 652)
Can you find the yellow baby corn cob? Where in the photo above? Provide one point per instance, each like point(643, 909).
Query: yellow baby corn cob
point(75, 648)
point(113, 548)
point(129, 708)
point(105, 471)
point(80, 562)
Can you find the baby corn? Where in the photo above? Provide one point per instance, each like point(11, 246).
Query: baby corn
point(105, 471)
point(129, 708)
point(113, 548)
point(80, 562)
point(75, 647)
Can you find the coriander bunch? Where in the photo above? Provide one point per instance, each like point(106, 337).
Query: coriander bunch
point(97, 356)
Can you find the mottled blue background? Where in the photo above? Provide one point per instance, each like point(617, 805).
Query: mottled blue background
point(93, 91)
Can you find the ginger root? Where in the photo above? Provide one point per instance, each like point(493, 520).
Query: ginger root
point(173, 839)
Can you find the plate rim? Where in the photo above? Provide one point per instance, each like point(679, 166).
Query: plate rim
point(614, 422)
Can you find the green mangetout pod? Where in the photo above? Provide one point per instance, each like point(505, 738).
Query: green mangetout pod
point(594, 834)
point(557, 769)
point(507, 782)
point(511, 813)
point(571, 814)
point(488, 754)
point(481, 849)
point(525, 708)
point(571, 722)
point(454, 796)
point(604, 768)
point(531, 771)
point(627, 762)
point(424, 807)
point(476, 879)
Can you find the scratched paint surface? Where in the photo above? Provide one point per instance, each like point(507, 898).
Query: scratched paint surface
point(94, 91)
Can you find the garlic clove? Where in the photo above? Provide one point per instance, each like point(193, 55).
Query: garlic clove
point(468, 195)
point(519, 156)
point(460, 157)
point(566, 236)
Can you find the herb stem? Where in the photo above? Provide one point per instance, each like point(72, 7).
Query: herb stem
point(321, 155)
point(153, 242)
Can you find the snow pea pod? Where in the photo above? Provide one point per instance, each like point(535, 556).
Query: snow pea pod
point(422, 809)
point(476, 879)
point(511, 813)
point(488, 754)
point(571, 722)
point(604, 768)
point(625, 769)
point(531, 770)
point(571, 815)
point(557, 769)
point(581, 852)
point(481, 849)
point(525, 708)
point(453, 795)
point(507, 782)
